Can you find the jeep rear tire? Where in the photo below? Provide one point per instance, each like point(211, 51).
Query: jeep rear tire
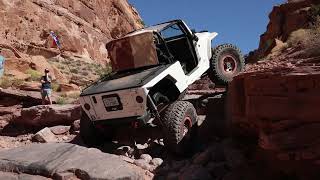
point(226, 62)
point(89, 134)
point(180, 122)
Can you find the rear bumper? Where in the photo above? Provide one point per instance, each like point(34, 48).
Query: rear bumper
point(128, 121)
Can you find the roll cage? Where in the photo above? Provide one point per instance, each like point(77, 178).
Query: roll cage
point(176, 44)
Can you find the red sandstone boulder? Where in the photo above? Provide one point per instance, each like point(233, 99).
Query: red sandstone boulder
point(40, 116)
point(68, 87)
point(10, 97)
point(281, 110)
point(30, 86)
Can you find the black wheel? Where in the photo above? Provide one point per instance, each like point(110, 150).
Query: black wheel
point(180, 121)
point(226, 62)
point(89, 134)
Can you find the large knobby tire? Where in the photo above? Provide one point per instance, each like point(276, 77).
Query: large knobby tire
point(88, 132)
point(226, 62)
point(180, 121)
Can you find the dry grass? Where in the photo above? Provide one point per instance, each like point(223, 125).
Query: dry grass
point(79, 68)
point(308, 39)
point(55, 86)
point(61, 100)
point(6, 82)
point(34, 75)
point(71, 95)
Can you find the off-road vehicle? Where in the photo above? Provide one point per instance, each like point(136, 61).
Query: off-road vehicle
point(151, 70)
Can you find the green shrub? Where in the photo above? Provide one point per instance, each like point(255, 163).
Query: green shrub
point(61, 100)
point(34, 75)
point(55, 86)
point(102, 72)
point(17, 82)
point(84, 73)
point(314, 12)
point(6, 82)
point(75, 71)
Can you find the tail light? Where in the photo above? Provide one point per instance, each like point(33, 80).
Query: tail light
point(87, 106)
point(139, 99)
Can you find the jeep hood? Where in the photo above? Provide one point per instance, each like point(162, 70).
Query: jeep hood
point(123, 81)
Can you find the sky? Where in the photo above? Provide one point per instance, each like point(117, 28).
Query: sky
point(240, 22)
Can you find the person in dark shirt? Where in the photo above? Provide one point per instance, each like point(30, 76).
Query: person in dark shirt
point(46, 89)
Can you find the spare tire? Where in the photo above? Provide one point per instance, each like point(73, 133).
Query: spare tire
point(226, 62)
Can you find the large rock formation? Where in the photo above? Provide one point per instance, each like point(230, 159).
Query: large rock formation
point(83, 28)
point(281, 110)
point(275, 102)
point(284, 19)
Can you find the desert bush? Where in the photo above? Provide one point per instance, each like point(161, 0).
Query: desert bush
point(314, 13)
point(61, 100)
point(55, 86)
point(308, 39)
point(6, 82)
point(84, 73)
point(17, 82)
point(102, 72)
point(62, 67)
point(34, 75)
point(75, 71)
point(72, 95)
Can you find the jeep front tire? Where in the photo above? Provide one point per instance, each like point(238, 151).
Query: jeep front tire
point(179, 121)
point(226, 62)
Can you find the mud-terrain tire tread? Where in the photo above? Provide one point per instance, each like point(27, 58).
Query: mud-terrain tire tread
point(173, 117)
point(88, 132)
point(214, 72)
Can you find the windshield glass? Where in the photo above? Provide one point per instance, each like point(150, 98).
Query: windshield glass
point(132, 52)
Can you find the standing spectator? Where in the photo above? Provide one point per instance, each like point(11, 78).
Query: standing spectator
point(56, 40)
point(46, 90)
point(1, 65)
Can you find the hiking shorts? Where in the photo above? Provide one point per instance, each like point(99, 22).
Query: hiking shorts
point(46, 92)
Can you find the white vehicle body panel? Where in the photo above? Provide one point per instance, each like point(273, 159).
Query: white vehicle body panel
point(128, 100)
point(131, 108)
point(203, 51)
point(176, 72)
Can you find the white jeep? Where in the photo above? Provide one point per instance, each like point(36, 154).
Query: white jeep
point(152, 69)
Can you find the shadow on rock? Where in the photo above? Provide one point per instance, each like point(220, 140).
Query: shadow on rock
point(14, 130)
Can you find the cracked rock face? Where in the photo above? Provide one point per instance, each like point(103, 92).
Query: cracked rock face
point(82, 26)
point(50, 160)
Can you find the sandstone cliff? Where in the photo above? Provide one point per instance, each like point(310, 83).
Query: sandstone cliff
point(276, 100)
point(285, 19)
point(83, 28)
